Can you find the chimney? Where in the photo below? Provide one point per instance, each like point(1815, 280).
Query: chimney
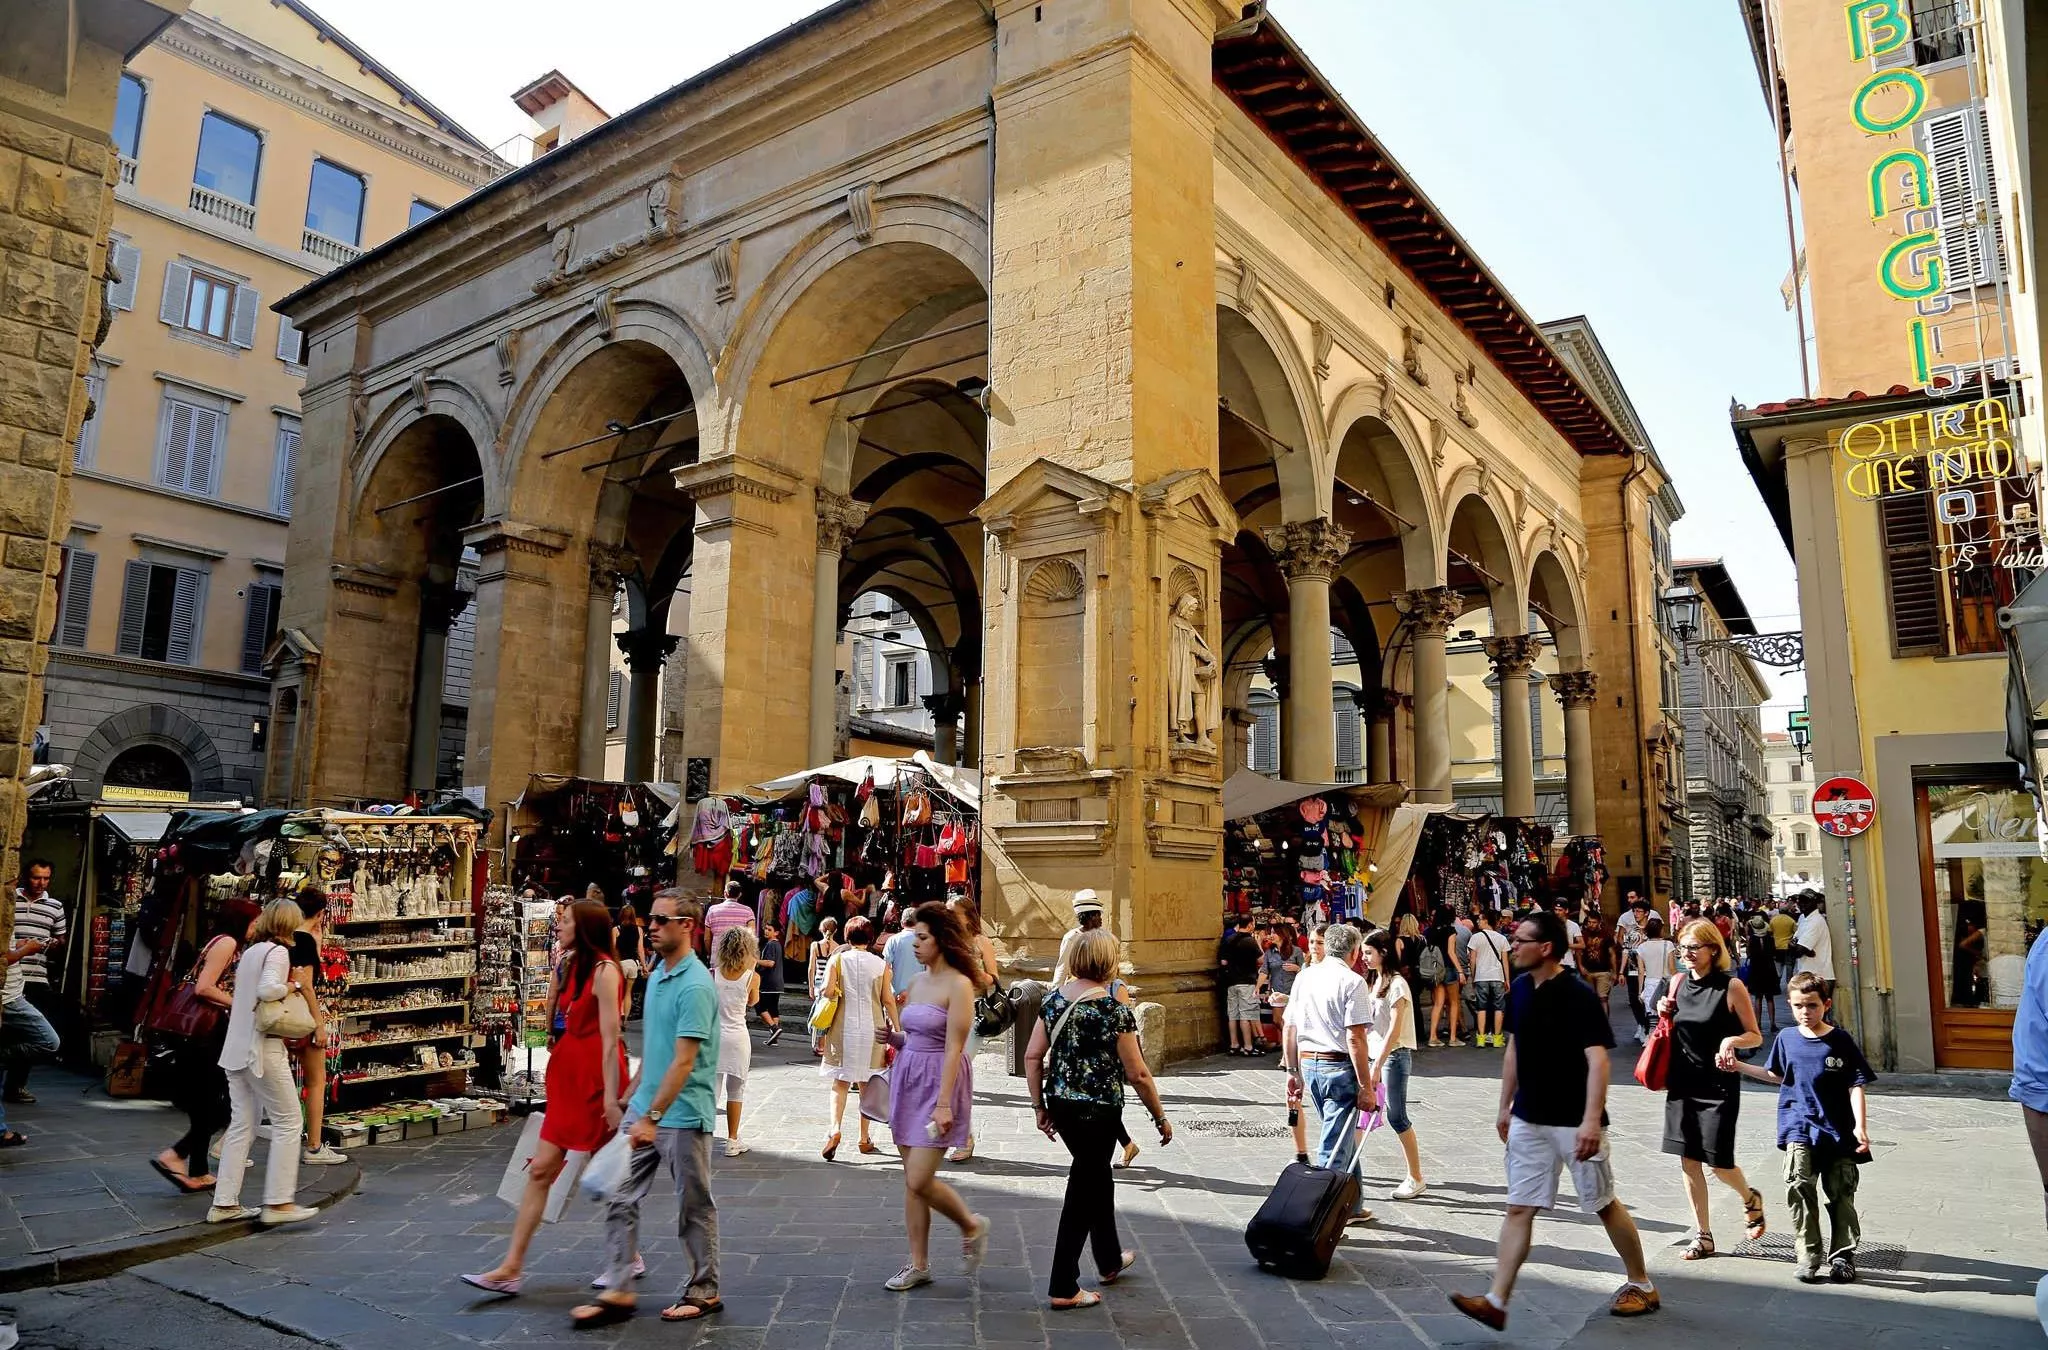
point(563, 111)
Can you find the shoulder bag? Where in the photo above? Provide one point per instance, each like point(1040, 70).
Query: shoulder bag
point(994, 1013)
point(287, 1018)
point(1653, 1066)
point(182, 1012)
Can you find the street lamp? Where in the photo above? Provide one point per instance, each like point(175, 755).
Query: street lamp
point(1682, 615)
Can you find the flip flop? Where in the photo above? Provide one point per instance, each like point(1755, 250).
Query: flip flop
point(607, 1314)
point(1087, 1298)
point(183, 1183)
point(693, 1310)
point(12, 1139)
point(1130, 1259)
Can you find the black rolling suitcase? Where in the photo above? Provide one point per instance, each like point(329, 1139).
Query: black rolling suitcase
point(1296, 1231)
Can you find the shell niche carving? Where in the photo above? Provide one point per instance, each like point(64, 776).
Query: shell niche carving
point(1054, 581)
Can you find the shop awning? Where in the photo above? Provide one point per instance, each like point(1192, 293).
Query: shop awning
point(963, 785)
point(1252, 794)
point(137, 827)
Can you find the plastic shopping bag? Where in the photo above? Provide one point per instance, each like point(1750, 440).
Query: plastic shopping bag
point(608, 1167)
point(512, 1187)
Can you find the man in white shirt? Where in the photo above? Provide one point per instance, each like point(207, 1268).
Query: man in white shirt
point(1326, 1051)
point(1812, 943)
point(40, 927)
point(1087, 915)
point(1576, 934)
point(1486, 970)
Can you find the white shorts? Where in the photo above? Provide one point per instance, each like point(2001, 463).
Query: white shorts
point(1536, 1153)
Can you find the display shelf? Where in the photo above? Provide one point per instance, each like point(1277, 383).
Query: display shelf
point(464, 1067)
point(409, 946)
point(407, 1008)
point(409, 979)
point(402, 918)
point(450, 1034)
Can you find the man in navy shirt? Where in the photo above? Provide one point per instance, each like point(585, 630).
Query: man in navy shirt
point(1553, 1115)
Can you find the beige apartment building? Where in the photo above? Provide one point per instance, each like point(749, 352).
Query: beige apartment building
point(258, 147)
point(1788, 792)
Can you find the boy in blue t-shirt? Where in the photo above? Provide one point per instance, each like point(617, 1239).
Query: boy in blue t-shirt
point(1822, 1126)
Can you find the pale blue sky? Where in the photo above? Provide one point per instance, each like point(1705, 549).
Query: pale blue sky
point(1604, 157)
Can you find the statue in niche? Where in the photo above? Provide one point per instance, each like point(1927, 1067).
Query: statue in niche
point(564, 240)
point(1191, 677)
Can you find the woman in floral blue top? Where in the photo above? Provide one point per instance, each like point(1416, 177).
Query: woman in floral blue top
point(1083, 1050)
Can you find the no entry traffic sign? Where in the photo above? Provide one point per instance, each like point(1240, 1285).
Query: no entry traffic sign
point(1844, 807)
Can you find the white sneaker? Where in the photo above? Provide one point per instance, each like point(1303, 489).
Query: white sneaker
point(324, 1155)
point(230, 1213)
point(733, 1148)
point(9, 1337)
point(274, 1215)
point(1409, 1189)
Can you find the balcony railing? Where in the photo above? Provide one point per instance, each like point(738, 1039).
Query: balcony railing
point(127, 172)
point(210, 203)
point(329, 250)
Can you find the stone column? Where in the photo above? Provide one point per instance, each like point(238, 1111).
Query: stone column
point(945, 709)
point(1431, 613)
point(1513, 658)
point(1237, 740)
point(609, 568)
point(1379, 739)
point(531, 588)
point(440, 605)
point(1575, 690)
point(646, 650)
point(839, 519)
point(1309, 552)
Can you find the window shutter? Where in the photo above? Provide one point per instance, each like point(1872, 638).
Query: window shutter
point(183, 646)
point(1536, 722)
point(177, 282)
point(207, 425)
point(85, 450)
point(128, 266)
point(1906, 524)
point(614, 695)
point(1955, 159)
point(74, 607)
point(286, 475)
point(176, 457)
point(243, 333)
point(258, 626)
point(1266, 737)
point(1347, 731)
point(134, 606)
point(288, 342)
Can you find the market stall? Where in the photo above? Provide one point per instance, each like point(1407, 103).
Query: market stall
point(1305, 853)
point(1500, 862)
point(565, 835)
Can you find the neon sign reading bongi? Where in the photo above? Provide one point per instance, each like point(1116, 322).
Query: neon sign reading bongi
point(1888, 102)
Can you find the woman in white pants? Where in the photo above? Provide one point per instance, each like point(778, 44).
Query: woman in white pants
point(259, 1072)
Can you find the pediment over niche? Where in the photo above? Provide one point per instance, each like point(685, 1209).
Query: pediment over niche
point(1194, 493)
point(1046, 486)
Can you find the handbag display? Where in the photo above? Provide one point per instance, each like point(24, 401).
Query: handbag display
point(287, 1018)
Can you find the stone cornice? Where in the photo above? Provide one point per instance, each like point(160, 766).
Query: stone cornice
point(205, 42)
point(514, 536)
point(363, 580)
point(729, 475)
point(135, 665)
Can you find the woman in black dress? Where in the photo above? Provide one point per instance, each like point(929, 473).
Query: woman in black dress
point(1711, 1018)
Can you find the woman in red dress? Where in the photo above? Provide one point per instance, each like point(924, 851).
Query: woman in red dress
point(586, 1075)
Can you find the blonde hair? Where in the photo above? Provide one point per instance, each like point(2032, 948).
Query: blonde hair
point(736, 952)
point(1097, 954)
point(1705, 930)
point(278, 921)
point(1408, 927)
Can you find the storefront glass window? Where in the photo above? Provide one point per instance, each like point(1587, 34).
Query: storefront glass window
point(1990, 890)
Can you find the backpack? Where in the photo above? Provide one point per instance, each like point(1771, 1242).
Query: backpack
point(1432, 967)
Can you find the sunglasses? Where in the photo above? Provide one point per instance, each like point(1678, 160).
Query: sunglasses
point(656, 920)
point(1690, 947)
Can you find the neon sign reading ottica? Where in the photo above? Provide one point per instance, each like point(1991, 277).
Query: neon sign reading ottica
point(1887, 103)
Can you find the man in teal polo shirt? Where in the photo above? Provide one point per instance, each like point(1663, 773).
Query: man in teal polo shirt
point(671, 1106)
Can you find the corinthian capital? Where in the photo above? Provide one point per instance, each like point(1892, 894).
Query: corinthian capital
point(1309, 548)
point(1513, 655)
point(610, 565)
point(839, 520)
point(1575, 688)
point(1432, 610)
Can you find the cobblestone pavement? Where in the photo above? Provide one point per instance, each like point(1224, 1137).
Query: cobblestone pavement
point(806, 1245)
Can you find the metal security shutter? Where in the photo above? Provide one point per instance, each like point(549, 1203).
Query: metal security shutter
point(1265, 736)
point(285, 476)
point(127, 263)
point(614, 695)
point(177, 283)
point(134, 607)
point(183, 646)
point(1906, 525)
point(74, 604)
point(259, 626)
point(243, 331)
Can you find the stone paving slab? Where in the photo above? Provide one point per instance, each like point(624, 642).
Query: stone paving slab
point(806, 1244)
point(80, 1200)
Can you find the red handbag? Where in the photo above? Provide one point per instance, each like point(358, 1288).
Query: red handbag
point(182, 1012)
point(1653, 1066)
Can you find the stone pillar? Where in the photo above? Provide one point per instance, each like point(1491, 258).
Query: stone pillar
point(1379, 739)
point(58, 82)
point(945, 709)
point(1575, 690)
point(1309, 553)
point(609, 567)
point(440, 605)
point(1513, 658)
point(1430, 614)
point(523, 709)
point(839, 520)
point(1103, 512)
point(646, 649)
point(1237, 740)
point(970, 735)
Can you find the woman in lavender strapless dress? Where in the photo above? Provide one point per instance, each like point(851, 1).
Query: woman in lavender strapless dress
point(931, 1088)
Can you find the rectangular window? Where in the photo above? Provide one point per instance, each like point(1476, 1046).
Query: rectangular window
point(1350, 754)
point(420, 211)
point(334, 203)
point(1265, 736)
point(1798, 771)
point(85, 450)
point(1958, 149)
point(209, 306)
point(190, 438)
point(615, 695)
point(1906, 529)
point(74, 597)
point(161, 607)
point(127, 269)
point(207, 303)
point(1940, 31)
point(902, 681)
point(1799, 803)
point(1799, 841)
point(128, 117)
point(259, 625)
point(229, 154)
point(285, 476)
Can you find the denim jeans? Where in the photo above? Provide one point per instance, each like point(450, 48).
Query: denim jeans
point(25, 1037)
point(1394, 1080)
point(1332, 1089)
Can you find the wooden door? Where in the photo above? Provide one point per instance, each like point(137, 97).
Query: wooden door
point(1981, 898)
